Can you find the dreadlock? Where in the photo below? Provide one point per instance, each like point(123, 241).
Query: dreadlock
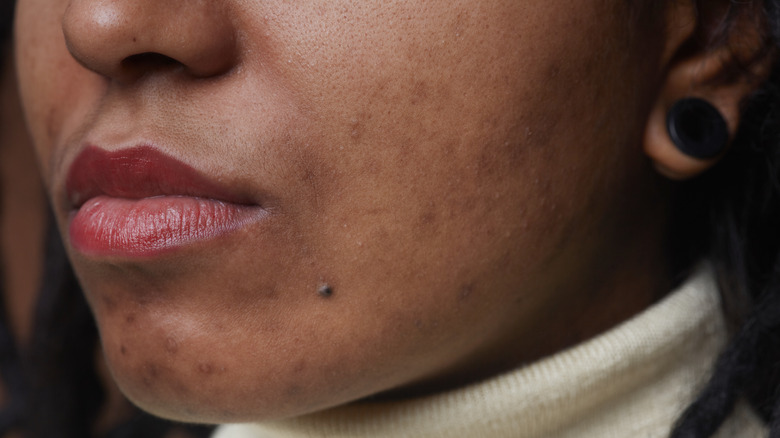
point(731, 215)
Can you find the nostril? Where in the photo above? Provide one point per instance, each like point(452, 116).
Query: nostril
point(128, 39)
point(149, 61)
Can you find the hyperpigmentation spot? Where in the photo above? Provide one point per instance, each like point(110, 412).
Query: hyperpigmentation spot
point(205, 368)
point(465, 292)
point(171, 346)
point(325, 291)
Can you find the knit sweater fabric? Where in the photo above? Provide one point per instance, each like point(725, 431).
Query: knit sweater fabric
point(632, 381)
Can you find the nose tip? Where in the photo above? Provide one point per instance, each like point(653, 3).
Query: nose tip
point(123, 39)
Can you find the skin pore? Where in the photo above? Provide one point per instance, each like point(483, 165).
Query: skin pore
point(469, 182)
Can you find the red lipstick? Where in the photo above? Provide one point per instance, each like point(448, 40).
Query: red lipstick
point(140, 202)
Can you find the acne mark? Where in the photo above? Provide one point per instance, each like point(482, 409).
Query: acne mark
point(205, 368)
point(418, 323)
point(419, 92)
point(171, 346)
point(355, 129)
point(150, 372)
point(123, 350)
point(130, 319)
point(109, 304)
point(465, 292)
point(461, 23)
point(553, 71)
point(293, 390)
point(299, 366)
point(429, 216)
point(325, 291)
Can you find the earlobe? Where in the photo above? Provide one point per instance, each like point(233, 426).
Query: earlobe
point(668, 159)
point(697, 111)
point(686, 138)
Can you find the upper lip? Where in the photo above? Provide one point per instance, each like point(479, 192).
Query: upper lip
point(136, 173)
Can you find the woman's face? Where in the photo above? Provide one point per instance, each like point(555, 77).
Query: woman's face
point(276, 207)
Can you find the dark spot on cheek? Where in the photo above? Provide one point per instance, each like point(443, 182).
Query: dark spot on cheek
point(293, 390)
point(465, 292)
point(299, 366)
point(419, 93)
point(149, 374)
point(553, 70)
point(171, 346)
point(325, 291)
point(429, 217)
point(208, 368)
point(356, 126)
point(355, 129)
point(108, 303)
point(130, 319)
point(123, 350)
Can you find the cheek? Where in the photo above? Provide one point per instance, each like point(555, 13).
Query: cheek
point(56, 91)
point(444, 147)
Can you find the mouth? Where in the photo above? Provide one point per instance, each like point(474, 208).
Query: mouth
point(139, 202)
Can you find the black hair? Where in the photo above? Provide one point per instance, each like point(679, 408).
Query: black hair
point(6, 18)
point(731, 215)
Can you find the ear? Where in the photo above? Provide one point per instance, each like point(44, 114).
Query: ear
point(716, 51)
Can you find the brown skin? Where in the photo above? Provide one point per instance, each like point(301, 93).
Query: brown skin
point(469, 178)
point(23, 218)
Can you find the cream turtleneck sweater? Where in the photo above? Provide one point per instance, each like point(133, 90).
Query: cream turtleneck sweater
point(632, 381)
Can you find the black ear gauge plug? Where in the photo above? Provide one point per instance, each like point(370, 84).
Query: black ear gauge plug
point(697, 128)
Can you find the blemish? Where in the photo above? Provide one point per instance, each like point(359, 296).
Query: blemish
point(109, 303)
point(299, 366)
point(171, 346)
point(205, 368)
point(465, 292)
point(325, 291)
point(355, 129)
point(123, 350)
point(150, 372)
point(419, 92)
point(130, 319)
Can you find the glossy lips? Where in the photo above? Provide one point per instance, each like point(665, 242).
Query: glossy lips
point(139, 202)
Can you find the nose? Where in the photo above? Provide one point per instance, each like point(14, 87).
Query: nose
point(124, 39)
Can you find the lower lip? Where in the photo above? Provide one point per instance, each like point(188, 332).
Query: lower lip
point(108, 226)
